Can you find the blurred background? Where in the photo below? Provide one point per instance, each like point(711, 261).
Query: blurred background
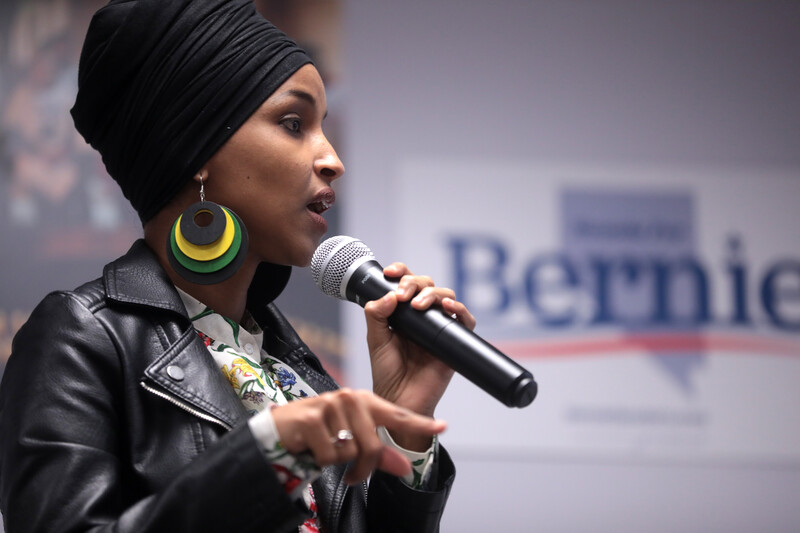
point(612, 186)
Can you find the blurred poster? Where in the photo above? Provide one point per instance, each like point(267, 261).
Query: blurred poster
point(62, 216)
point(658, 308)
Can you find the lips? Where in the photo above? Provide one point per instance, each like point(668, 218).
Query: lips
point(323, 202)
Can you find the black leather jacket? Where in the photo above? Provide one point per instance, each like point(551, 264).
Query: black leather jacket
point(99, 433)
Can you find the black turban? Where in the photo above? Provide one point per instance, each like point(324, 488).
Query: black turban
point(162, 84)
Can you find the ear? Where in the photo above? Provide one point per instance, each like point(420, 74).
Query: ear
point(201, 176)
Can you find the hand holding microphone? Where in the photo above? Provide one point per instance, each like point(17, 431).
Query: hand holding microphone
point(345, 268)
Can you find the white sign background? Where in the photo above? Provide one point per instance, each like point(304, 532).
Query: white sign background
point(743, 405)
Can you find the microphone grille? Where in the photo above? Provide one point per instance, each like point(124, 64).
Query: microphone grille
point(332, 259)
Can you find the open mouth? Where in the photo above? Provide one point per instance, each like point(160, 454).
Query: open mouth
point(322, 205)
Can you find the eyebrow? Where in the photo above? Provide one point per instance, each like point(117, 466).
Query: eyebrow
point(308, 97)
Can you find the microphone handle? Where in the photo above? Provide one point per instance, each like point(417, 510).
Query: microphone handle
point(447, 339)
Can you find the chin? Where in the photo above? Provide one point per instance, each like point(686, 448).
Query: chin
point(303, 262)
point(302, 256)
point(296, 253)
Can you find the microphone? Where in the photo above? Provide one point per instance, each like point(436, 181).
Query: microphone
point(345, 268)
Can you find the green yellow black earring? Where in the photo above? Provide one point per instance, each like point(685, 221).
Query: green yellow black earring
point(207, 243)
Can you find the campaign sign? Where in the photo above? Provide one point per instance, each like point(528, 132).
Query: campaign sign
point(658, 308)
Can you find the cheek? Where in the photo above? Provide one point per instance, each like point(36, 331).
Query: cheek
point(243, 151)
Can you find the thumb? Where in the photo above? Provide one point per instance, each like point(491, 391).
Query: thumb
point(377, 314)
point(391, 461)
point(394, 462)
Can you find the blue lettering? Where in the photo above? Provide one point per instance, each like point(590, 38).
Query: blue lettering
point(622, 290)
point(604, 270)
point(602, 273)
point(738, 273)
point(467, 252)
point(560, 279)
point(664, 276)
point(772, 296)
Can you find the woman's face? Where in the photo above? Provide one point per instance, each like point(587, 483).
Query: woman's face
point(276, 172)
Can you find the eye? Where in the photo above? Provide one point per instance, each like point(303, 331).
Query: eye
point(292, 123)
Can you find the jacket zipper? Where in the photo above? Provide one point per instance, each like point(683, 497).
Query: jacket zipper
point(185, 407)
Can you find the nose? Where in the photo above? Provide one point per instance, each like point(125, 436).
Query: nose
point(327, 164)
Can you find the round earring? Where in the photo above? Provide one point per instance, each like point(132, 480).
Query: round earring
point(207, 244)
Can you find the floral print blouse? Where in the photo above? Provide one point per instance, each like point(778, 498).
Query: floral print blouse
point(262, 381)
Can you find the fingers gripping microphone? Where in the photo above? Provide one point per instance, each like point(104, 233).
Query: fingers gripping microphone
point(345, 268)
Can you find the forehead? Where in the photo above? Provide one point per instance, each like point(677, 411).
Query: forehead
point(305, 84)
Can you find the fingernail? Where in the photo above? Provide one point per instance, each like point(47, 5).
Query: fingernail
point(400, 291)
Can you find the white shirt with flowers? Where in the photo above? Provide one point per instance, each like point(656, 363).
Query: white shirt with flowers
point(262, 381)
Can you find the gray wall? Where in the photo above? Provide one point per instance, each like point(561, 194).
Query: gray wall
point(689, 83)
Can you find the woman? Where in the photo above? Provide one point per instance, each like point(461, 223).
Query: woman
point(141, 401)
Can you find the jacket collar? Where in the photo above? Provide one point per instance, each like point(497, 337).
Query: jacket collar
point(183, 371)
point(188, 374)
point(137, 278)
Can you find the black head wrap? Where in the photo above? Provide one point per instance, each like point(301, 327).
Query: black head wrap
point(162, 84)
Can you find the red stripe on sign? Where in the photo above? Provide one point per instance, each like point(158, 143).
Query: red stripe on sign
point(663, 342)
